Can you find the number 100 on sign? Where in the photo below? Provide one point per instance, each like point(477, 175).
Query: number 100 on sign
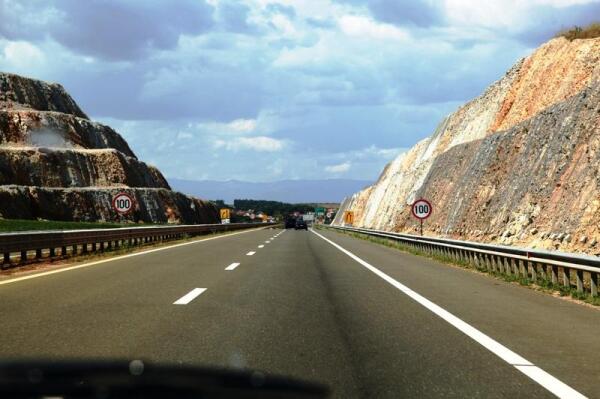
point(122, 203)
point(421, 209)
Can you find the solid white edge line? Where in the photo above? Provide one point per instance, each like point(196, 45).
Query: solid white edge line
point(232, 266)
point(250, 253)
point(66, 269)
point(538, 375)
point(189, 297)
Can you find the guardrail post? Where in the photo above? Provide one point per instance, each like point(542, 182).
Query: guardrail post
point(23, 256)
point(6, 257)
point(553, 274)
point(74, 252)
point(63, 251)
point(507, 266)
point(594, 283)
point(534, 271)
point(94, 247)
point(514, 267)
point(52, 252)
point(566, 277)
point(38, 253)
point(519, 268)
point(579, 276)
point(523, 269)
point(487, 262)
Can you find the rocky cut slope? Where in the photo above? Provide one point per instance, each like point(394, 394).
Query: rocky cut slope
point(57, 164)
point(516, 165)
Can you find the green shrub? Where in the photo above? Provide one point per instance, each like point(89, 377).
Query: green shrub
point(578, 32)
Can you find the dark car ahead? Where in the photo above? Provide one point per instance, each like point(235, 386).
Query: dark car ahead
point(290, 223)
point(301, 224)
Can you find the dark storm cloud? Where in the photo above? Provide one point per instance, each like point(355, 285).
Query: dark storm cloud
point(107, 29)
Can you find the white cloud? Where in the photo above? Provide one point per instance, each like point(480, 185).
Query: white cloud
point(507, 14)
point(364, 27)
point(242, 125)
point(339, 168)
point(21, 54)
point(258, 143)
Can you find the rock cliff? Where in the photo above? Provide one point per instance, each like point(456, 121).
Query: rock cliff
point(516, 165)
point(57, 164)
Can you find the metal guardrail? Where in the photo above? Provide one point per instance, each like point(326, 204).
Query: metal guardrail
point(533, 264)
point(73, 242)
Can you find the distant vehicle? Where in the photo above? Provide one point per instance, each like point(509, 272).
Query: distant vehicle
point(301, 224)
point(290, 223)
point(308, 217)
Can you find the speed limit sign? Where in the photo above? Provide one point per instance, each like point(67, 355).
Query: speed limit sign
point(122, 203)
point(421, 209)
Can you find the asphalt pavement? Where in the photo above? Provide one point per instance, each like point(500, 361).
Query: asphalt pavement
point(367, 320)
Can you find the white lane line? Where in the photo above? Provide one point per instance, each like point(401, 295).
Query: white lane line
point(261, 246)
point(250, 253)
point(552, 384)
point(232, 266)
point(98, 262)
point(267, 242)
point(189, 297)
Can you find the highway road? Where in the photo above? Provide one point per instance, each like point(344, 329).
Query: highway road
point(369, 321)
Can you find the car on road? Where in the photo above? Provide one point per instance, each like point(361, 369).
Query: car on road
point(290, 223)
point(301, 224)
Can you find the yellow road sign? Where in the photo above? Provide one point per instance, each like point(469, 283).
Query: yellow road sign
point(225, 213)
point(348, 217)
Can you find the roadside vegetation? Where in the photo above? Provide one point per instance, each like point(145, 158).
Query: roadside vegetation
point(577, 32)
point(542, 284)
point(9, 225)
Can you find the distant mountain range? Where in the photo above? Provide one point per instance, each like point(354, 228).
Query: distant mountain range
point(292, 191)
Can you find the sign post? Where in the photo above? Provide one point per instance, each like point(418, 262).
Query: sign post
point(122, 203)
point(225, 215)
point(421, 209)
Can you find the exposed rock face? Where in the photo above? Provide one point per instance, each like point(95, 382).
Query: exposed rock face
point(520, 159)
point(57, 164)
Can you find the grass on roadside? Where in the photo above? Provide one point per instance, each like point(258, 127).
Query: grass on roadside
point(13, 225)
point(543, 284)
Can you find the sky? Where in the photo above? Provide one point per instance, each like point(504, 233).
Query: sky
point(263, 90)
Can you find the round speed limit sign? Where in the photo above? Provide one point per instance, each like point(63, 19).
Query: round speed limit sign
point(421, 209)
point(122, 203)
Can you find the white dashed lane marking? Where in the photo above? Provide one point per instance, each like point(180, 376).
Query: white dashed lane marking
point(232, 266)
point(250, 253)
point(189, 297)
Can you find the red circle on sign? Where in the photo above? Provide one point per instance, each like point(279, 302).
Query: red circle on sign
point(412, 209)
point(122, 203)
